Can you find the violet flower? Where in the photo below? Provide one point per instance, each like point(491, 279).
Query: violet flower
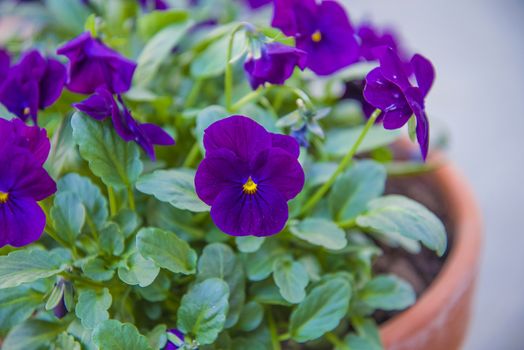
point(323, 30)
point(92, 64)
point(33, 83)
point(23, 182)
point(255, 4)
point(177, 344)
point(247, 177)
point(153, 4)
point(389, 89)
point(371, 39)
point(102, 104)
point(275, 65)
point(5, 62)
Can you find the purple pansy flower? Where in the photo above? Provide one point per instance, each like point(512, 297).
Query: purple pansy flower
point(179, 340)
point(371, 39)
point(92, 64)
point(255, 4)
point(153, 4)
point(102, 104)
point(5, 61)
point(389, 89)
point(23, 182)
point(323, 30)
point(33, 83)
point(247, 177)
point(275, 65)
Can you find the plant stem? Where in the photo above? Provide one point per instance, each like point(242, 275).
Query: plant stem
point(192, 156)
point(131, 198)
point(347, 223)
point(193, 94)
point(228, 79)
point(333, 339)
point(252, 96)
point(275, 342)
point(54, 235)
point(112, 200)
point(344, 163)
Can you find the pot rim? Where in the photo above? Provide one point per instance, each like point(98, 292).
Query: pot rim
point(459, 269)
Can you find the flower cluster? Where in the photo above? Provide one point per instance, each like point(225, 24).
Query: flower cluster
point(23, 182)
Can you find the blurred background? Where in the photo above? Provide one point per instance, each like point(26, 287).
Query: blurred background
point(477, 47)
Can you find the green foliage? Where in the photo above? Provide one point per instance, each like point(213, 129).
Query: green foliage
point(203, 310)
point(321, 311)
point(166, 250)
point(115, 161)
point(321, 232)
point(175, 187)
point(68, 216)
point(387, 292)
point(138, 271)
point(249, 244)
point(400, 215)
point(92, 306)
point(114, 335)
point(17, 305)
point(291, 278)
point(32, 334)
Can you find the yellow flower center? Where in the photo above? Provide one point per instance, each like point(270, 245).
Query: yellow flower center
point(316, 36)
point(26, 111)
point(3, 197)
point(250, 187)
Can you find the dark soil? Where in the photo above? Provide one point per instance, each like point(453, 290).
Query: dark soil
point(422, 268)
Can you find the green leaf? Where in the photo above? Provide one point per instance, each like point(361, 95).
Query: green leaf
point(249, 244)
point(17, 305)
point(321, 232)
point(139, 271)
point(151, 23)
point(205, 118)
point(92, 306)
point(266, 292)
point(32, 334)
point(70, 15)
point(353, 190)
point(29, 265)
point(166, 250)
point(259, 265)
point(291, 278)
point(89, 195)
point(388, 292)
point(157, 337)
point(96, 269)
point(203, 310)
point(156, 52)
point(368, 337)
point(114, 335)
point(340, 141)
point(158, 291)
point(251, 316)
point(402, 216)
point(56, 296)
point(321, 311)
point(111, 239)
point(68, 216)
point(212, 61)
point(176, 187)
point(66, 342)
point(218, 260)
point(112, 159)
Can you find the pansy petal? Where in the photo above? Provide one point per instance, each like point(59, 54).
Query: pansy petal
point(52, 83)
point(416, 102)
point(98, 106)
point(239, 134)
point(294, 16)
point(395, 119)
point(157, 135)
point(264, 213)
point(219, 170)
point(277, 168)
point(31, 138)
point(424, 73)
point(393, 69)
point(5, 61)
point(20, 98)
point(381, 93)
point(287, 143)
point(22, 222)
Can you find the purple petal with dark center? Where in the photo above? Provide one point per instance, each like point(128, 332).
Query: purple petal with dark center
point(264, 213)
point(279, 169)
point(424, 73)
point(242, 135)
point(287, 143)
point(19, 97)
point(22, 222)
point(219, 170)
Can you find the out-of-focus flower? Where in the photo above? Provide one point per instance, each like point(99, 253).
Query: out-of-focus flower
point(176, 341)
point(92, 64)
point(247, 177)
point(102, 104)
point(389, 89)
point(255, 4)
point(323, 30)
point(372, 38)
point(23, 182)
point(150, 5)
point(275, 64)
point(33, 83)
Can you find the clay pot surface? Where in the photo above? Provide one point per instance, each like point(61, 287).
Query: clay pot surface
point(440, 318)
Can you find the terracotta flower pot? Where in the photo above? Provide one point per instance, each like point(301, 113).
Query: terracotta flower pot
point(440, 318)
